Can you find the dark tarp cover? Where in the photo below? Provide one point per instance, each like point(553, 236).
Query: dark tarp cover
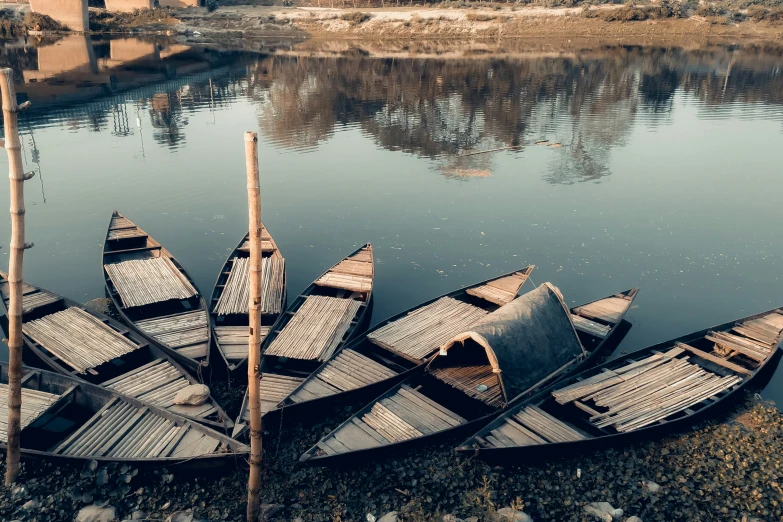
point(526, 340)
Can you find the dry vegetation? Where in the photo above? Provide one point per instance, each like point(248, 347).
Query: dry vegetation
point(104, 21)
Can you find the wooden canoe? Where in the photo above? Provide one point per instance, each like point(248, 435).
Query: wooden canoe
point(230, 320)
point(58, 333)
point(378, 358)
point(319, 322)
point(70, 419)
point(154, 294)
point(656, 390)
point(434, 403)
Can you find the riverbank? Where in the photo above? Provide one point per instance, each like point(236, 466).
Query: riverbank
point(610, 21)
point(722, 471)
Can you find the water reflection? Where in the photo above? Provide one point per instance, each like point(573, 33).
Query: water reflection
point(442, 109)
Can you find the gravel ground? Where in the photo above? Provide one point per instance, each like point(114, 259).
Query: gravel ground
point(723, 471)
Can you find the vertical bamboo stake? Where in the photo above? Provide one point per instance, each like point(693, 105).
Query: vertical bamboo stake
point(17, 178)
point(254, 344)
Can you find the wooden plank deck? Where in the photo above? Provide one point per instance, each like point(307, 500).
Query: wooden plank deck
point(187, 333)
point(405, 415)
point(354, 273)
point(591, 327)
point(34, 404)
point(121, 430)
point(78, 339)
point(235, 296)
point(348, 371)
point(424, 330)
point(233, 340)
point(141, 282)
point(500, 291)
point(479, 382)
point(610, 310)
point(157, 383)
point(316, 329)
point(32, 297)
point(532, 426)
point(273, 388)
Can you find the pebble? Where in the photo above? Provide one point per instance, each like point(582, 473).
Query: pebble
point(181, 516)
point(269, 512)
point(389, 517)
point(651, 486)
point(96, 514)
point(31, 505)
point(603, 511)
point(508, 514)
point(633, 519)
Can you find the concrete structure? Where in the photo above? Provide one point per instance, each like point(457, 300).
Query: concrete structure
point(127, 6)
point(72, 13)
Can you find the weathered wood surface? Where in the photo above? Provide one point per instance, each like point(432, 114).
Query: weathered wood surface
point(355, 273)
point(78, 339)
point(234, 298)
point(121, 430)
point(404, 415)
point(646, 394)
point(187, 333)
point(610, 310)
point(157, 383)
point(233, 340)
point(316, 329)
point(479, 382)
point(424, 330)
point(141, 282)
point(34, 404)
point(501, 291)
point(273, 389)
point(32, 298)
point(586, 325)
point(347, 371)
point(121, 227)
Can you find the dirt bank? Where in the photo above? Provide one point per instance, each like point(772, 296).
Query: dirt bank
point(410, 23)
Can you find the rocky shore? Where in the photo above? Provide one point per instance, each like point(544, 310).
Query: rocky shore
point(728, 470)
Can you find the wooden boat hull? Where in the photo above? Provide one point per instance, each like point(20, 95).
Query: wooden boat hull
point(238, 369)
point(360, 321)
point(89, 401)
point(537, 452)
point(35, 357)
point(194, 365)
point(312, 458)
point(372, 390)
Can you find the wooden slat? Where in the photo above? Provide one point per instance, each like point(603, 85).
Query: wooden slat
point(141, 282)
point(424, 330)
point(316, 330)
point(610, 310)
point(78, 338)
point(713, 359)
point(235, 295)
point(34, 404)
point(502, 290)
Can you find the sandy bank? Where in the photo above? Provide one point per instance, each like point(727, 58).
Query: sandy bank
point(410, 23)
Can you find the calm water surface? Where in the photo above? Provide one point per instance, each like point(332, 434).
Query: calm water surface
point(665, 172)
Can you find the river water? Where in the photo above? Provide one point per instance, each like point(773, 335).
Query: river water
point(661, 167)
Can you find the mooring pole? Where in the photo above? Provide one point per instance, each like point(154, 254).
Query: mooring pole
point(254, 344)
point(17, 178)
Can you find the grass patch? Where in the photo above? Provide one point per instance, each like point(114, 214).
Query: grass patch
point(356, 17)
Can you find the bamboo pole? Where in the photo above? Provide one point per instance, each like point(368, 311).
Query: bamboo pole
point(254, 343)
point(17, 178)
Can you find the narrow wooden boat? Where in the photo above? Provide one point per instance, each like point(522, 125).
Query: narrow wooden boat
point(64, 336)
point(510, 353)
point(650, 392)
point(154, 294)
point(229, 304)
point(320, 321)
point(394, 348)
point(70, 419)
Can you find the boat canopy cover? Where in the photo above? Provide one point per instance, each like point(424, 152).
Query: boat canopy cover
point(525, 341)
